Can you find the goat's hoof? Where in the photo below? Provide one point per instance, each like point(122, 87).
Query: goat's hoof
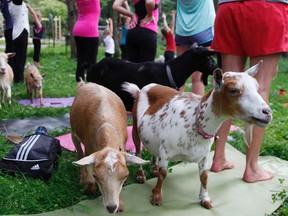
point(208, 204)
point(156, 199)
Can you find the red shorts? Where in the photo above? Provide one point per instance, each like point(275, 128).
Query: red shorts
point(251, 28)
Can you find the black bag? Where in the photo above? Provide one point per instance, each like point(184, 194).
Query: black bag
point(35, 156)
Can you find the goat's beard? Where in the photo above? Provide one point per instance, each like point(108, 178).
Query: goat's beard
point(248, 134)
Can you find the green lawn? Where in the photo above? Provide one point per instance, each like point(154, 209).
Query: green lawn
point(63, 189)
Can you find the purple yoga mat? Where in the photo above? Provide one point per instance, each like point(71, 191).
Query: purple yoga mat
point(48, 102)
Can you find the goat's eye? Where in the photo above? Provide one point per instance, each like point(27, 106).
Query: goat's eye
point(234, 91)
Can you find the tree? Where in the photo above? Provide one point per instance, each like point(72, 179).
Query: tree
point(72, 16)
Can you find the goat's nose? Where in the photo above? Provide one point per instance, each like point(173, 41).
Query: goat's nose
point(111, 209)
point(3, 69)
point(266, 111)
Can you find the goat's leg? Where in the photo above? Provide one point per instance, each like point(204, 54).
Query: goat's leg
point(3, 95)
point(205, 200)
point(41, 97)
point(155, 165)
point(9, 95)
point(156, 197)
point(30, 93)
point(140, 173)
point(90, 183)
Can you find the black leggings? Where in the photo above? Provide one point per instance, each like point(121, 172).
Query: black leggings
point(21, 44)
point(37, 49)
point(9, 45)
point(87, 50)
point(141, 44)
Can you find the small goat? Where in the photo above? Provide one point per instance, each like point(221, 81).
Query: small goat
point(112, 72)
point(183, 126)
point(98, 120)
point(6, 77)
point(33, 80)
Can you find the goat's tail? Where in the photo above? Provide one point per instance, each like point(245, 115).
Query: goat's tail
point(131, 88)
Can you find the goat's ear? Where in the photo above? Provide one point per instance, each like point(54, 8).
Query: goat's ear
point(43, 75)
point(135, 160)
point(10, 55)
point(218, 78)
point(254, 69)
point(88, 160)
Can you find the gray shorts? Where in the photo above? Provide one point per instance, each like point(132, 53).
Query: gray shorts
point(203, 38)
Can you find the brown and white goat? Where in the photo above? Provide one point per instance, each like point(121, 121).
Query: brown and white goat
point(183, 126)
point(6, 77)
point(33, 80)
point(98, 120)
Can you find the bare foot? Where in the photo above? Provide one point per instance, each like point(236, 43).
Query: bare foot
point(260, 175)
point(220, 166)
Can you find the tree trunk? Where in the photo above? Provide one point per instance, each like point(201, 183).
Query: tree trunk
point(72, 16)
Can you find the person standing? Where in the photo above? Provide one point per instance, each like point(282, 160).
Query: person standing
point(86, 35)
point(9, 46)
point(38, 31)
point(168, 34)
point(194, 25)
point(108, 39)
point(20, 33)
point(236, 42)
point(141, 40)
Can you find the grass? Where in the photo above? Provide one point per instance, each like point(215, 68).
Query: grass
point(23, 195)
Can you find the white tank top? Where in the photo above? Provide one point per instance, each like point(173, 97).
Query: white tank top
point(19, 15)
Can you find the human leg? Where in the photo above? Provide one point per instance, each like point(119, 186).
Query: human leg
point(147, 45)
point(229, 63)
point(91, 52)
point(132, 45)
point(9, 45)
point(37, 48)
point(253, 172)
point(80, 58)
point(21, 44)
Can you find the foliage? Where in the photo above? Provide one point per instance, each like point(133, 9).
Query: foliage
point(57, 8)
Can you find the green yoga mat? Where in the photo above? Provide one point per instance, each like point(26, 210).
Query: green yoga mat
point(231, 195)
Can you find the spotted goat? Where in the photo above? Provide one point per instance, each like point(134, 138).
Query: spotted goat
point(98, 120)
point(182, 126)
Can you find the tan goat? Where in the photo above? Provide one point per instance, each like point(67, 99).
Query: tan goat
point(33, 80)
point(6, 77)
point(98, 120)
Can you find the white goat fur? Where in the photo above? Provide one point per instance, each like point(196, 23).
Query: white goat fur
point(98, 120)
point(168, 122)
point(6, 77)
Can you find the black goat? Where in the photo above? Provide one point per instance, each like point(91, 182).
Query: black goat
point(113, 72)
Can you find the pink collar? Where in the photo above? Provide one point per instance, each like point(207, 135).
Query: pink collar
point(204, 134)
point(200, 129)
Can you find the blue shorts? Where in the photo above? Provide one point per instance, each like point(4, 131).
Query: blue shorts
point(203, 38)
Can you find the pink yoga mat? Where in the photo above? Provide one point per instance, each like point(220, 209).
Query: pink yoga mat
point(48, 102)
point(66, 141)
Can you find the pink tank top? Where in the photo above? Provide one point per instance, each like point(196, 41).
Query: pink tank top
point(88, 18)
point(141, 11)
